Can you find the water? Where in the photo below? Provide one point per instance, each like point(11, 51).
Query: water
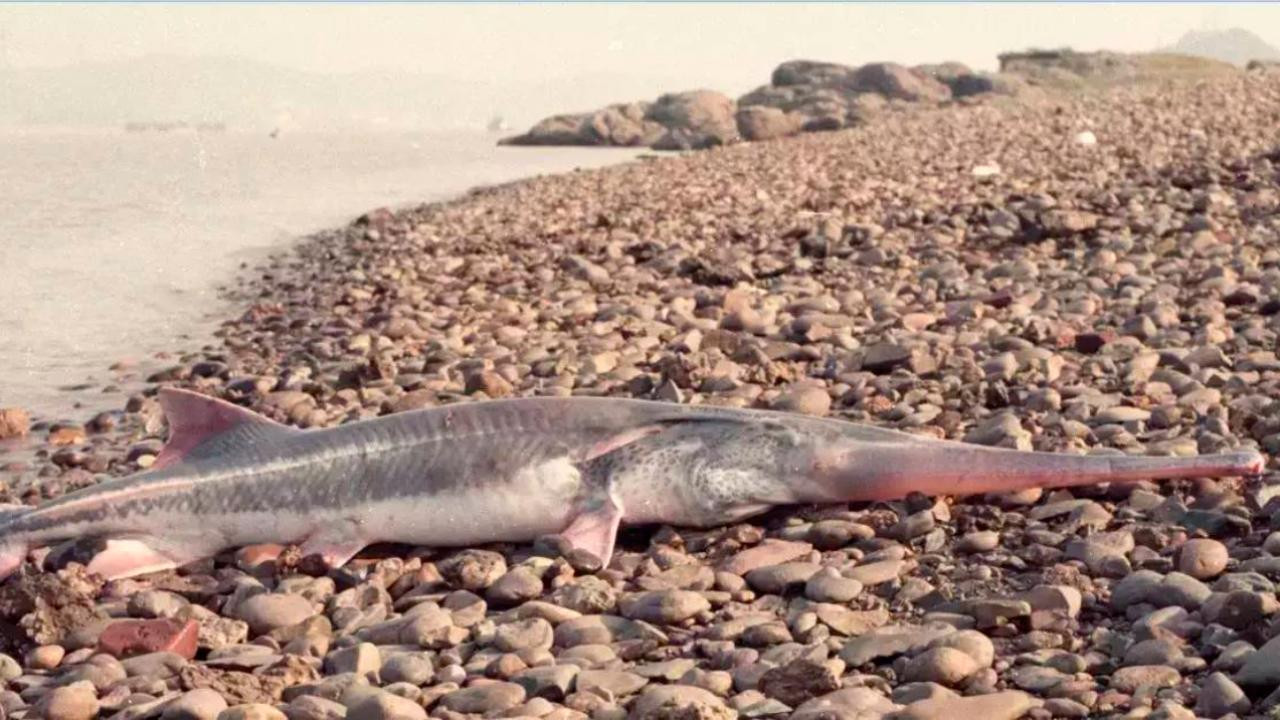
point(112, 244)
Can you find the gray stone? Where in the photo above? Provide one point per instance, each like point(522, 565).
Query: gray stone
point(198, 704)
point(483, 699)
point(1219, 696)
point(382, 705)
point(412, 668)
point(271, 611)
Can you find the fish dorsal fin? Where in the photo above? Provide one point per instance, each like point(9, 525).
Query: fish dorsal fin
point(198, 421)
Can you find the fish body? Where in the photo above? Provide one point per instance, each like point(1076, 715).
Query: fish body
point(512, 470)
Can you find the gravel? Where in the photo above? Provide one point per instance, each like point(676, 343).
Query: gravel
point(1113, 297)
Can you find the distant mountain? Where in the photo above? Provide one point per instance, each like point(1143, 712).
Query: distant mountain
point(1236, 46)
point(248, 94)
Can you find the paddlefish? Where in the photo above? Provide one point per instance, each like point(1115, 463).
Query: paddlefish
point(513, 470)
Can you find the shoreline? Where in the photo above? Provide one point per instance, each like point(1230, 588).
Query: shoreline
point(1109, 297)
point(129, 305)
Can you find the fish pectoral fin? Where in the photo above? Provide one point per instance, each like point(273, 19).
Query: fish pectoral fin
point(595, 528)
point(121, 558)
point(608, 444)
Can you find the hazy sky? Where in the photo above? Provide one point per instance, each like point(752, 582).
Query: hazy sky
point(728, 46)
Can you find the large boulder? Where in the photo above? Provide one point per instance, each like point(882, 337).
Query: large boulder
point(624, 125)
point(810, 72)
point(568, 129)
point(898, 82)
point(694, 119)
point(816, 108)
point(965, 82)
point(760, 122)
point(829, 96)
point(677, 121)
point(961, 80)
point(781, 97)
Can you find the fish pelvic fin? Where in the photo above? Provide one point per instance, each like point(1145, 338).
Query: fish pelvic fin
point(594, 527)
point(199, 424)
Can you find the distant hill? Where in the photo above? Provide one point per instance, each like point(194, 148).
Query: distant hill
point(253, 95)
point(1236, 46)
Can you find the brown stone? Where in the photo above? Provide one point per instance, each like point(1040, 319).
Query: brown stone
point(138, 637)
point(769, 552)
point(797, 682)
point(14, 422)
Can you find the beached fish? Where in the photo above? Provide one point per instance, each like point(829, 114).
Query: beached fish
point(513, 470)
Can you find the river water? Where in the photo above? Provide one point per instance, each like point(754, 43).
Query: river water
point(113, 244)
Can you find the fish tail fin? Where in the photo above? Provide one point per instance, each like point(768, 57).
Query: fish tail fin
point(13, 547)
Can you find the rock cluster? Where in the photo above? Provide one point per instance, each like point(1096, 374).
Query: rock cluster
point(803, 96)
point(812, 96)
point(676, 121)
point(1112, 297)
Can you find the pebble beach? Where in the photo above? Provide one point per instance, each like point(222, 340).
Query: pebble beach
point(1095, 272)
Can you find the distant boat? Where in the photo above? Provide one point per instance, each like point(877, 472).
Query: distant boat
point(498, 124)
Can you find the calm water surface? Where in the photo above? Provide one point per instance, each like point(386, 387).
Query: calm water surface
point(112, 244)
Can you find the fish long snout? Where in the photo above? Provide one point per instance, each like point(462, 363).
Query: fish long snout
point(886, 470)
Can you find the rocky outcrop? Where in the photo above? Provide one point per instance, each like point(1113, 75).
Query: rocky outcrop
point(810, 72)
point(802, 96)
point(676, 121)
point(1068, 67)
point(1070, 70)
point(966, 82)
point(694, 120)
point(897, 82)
point(623, 125)
point(828, 96)
point(759, 122)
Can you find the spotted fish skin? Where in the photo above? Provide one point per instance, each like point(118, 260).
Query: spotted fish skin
point(511, 470)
